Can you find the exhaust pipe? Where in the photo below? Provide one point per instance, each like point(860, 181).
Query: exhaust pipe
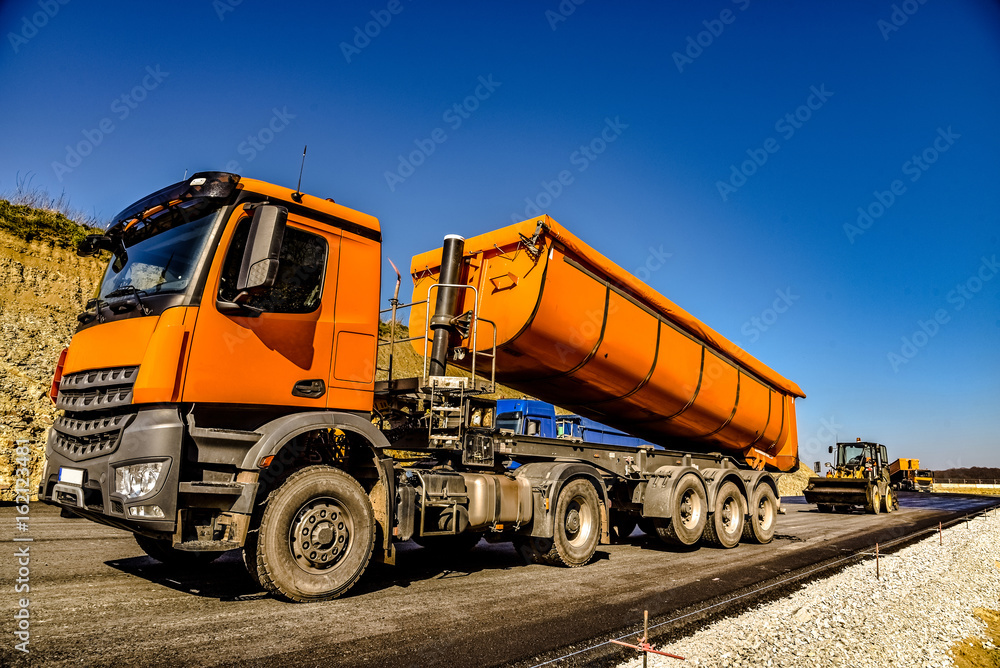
point(446, 306)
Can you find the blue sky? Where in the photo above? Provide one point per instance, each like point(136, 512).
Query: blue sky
point(723, 148)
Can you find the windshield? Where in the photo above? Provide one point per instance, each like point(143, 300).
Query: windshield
point(925, 474)
point(162, 250)
point(510, 421)
point(852, 455)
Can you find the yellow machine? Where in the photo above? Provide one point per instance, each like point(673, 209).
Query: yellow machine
point(859, 478)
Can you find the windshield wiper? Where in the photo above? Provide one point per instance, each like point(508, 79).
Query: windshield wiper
point(89, 315)
point(126, 304)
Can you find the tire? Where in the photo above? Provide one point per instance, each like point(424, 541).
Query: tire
point(725, 524)
point(163, 551)
point(689, 513)
point(316, 535)
point(762, 518)
point(890, 502)
point(576, 526)
point(874, 505)
point(622, 526)
point(825, 508)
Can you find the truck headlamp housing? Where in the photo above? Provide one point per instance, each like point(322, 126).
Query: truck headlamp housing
point(136, 480)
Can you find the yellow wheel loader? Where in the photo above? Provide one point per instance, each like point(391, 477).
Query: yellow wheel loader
point(859, 478)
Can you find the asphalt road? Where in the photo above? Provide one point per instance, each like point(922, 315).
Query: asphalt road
point(95, 599)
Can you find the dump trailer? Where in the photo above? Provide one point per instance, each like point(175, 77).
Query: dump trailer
point(860, 477)
point(221, 393)
point(903, 473)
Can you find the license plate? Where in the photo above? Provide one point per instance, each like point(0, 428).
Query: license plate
point(71, 476)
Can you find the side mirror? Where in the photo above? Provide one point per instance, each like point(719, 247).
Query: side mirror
point(93, 244)
point(831, 449)
point(260, 259)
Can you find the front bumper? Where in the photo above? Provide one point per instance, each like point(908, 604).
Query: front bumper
point(151, 434)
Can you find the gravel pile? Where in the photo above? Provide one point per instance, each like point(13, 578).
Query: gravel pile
point(919, 608)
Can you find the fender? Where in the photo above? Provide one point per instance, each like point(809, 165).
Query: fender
point(277, 433)
point(660, 489)
point(753, 479)
point(714, 478)
point(547, 479)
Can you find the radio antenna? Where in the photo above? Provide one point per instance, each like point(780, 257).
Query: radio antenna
point(185, 175)
point(297, 195)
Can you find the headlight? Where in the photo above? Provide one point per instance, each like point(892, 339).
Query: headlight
point(137, 479)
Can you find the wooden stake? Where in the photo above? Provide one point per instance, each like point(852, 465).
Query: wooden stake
point(645, 634)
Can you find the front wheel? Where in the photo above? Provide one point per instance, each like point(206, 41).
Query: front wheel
point(874, 506)
point(316, 535)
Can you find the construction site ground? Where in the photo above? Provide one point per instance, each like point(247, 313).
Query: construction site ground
point(95, 599)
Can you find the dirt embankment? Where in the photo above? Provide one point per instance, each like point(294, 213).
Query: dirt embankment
point(42, 288)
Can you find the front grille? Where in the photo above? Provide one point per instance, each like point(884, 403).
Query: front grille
point(94, 418)
point(97, 390)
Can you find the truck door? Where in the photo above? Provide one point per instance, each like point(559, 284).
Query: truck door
point(283, 356)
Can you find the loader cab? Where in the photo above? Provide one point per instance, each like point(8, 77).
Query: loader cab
point(861, 455)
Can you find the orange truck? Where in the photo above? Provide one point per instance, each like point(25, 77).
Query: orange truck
point(906, 474)
point(220, 393)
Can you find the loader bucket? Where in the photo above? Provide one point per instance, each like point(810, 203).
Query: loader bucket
point(837, 491)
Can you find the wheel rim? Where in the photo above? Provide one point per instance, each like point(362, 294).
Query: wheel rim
point(320, 535)
point(729, 511)
point(579, 521)
point(876, 501)
point(691, 509)
point(765, 513)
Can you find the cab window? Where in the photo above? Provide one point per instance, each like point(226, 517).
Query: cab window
point(301, 262)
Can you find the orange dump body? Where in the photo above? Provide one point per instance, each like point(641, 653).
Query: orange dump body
point(575, 329)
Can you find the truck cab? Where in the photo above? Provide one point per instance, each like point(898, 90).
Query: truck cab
point(527, 417)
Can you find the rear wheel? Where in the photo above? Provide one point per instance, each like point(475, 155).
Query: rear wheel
point(689, 513)
point(163, 551)
point(763, 515)
point(577, 527)
point(622, 526)
point(316, 535)
point(890, 503)
point(725, 525)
